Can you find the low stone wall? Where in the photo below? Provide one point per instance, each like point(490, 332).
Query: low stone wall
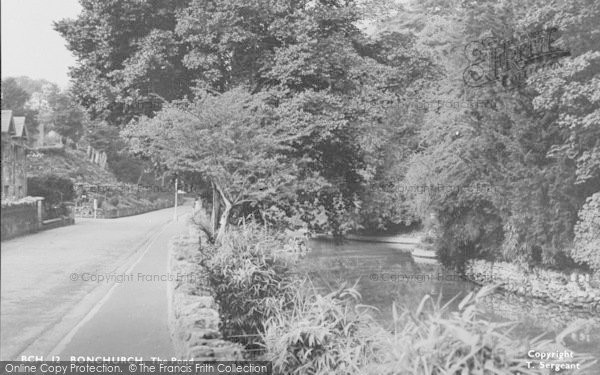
point(87, 212)
point(576, 290)
point(193, 313)
point(57, 223)
point(19, 219)
point(26, 217)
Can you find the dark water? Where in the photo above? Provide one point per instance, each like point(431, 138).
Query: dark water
point(387, 273)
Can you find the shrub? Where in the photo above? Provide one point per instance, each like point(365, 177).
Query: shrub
point(467, 232)
point(586, 249)
point(54, 189)
point(320, 335)
point(100, 201)
point(114, 201)
point(125, 167)
point(248, 274)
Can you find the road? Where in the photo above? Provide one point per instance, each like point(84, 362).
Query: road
point(85, 289)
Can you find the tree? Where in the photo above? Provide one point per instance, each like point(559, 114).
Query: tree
point(13, 96)
point(323, 76)
point(532, 148)
point(230, 139)
point(16, 97)
point(127, 53)
point(330, 84)
point(68, 119)
point(233, 42)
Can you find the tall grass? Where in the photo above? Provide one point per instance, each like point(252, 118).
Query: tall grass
point(335, 335)
point(248, 274)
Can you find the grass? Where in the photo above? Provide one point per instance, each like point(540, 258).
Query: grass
point(334, 334)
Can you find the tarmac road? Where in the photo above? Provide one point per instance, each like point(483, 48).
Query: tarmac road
point(88, 289)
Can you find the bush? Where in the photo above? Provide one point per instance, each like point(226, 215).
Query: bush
point(114, 201)
point(100, 201)
point(125, 167)
point(333, 335)
point(54, 189)
point(467, 232)
point(248, 274)
point(320, 335)
point(586, 249)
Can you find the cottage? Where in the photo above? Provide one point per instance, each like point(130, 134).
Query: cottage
point(14, 146)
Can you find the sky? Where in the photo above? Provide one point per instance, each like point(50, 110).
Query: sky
point(30, 47)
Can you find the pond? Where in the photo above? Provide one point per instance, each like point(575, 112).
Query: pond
point(387, 273)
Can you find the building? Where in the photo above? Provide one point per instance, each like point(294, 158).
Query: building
point(14, 151)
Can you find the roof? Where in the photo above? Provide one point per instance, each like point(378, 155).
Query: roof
point(8, 125)
point(20, 128)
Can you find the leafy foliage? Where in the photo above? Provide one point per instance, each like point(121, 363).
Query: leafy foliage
point(537, 149)
point(230, 139)
point(295, 114)
point(128, 55)
point(320, 335)
point(13, 96)
point(308, 61)
point(54, 189)
point(587, 234)
point(247, 274)
point(65, 116)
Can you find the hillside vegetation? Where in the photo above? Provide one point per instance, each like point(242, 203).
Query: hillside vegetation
point(97, 182)
point(72, 164)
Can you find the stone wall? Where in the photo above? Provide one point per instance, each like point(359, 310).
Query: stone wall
point(86, 211)
point(578, 290)
point(20, 219)
point(58, 222)
point(26, 217)
point(193, 313)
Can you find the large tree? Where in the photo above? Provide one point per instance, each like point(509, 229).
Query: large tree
point(128, 56)
point(231, 139)
point(536, 145)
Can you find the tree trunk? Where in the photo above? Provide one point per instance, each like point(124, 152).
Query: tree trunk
point(139, 180)
point(216, 207)
point(224, 220)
